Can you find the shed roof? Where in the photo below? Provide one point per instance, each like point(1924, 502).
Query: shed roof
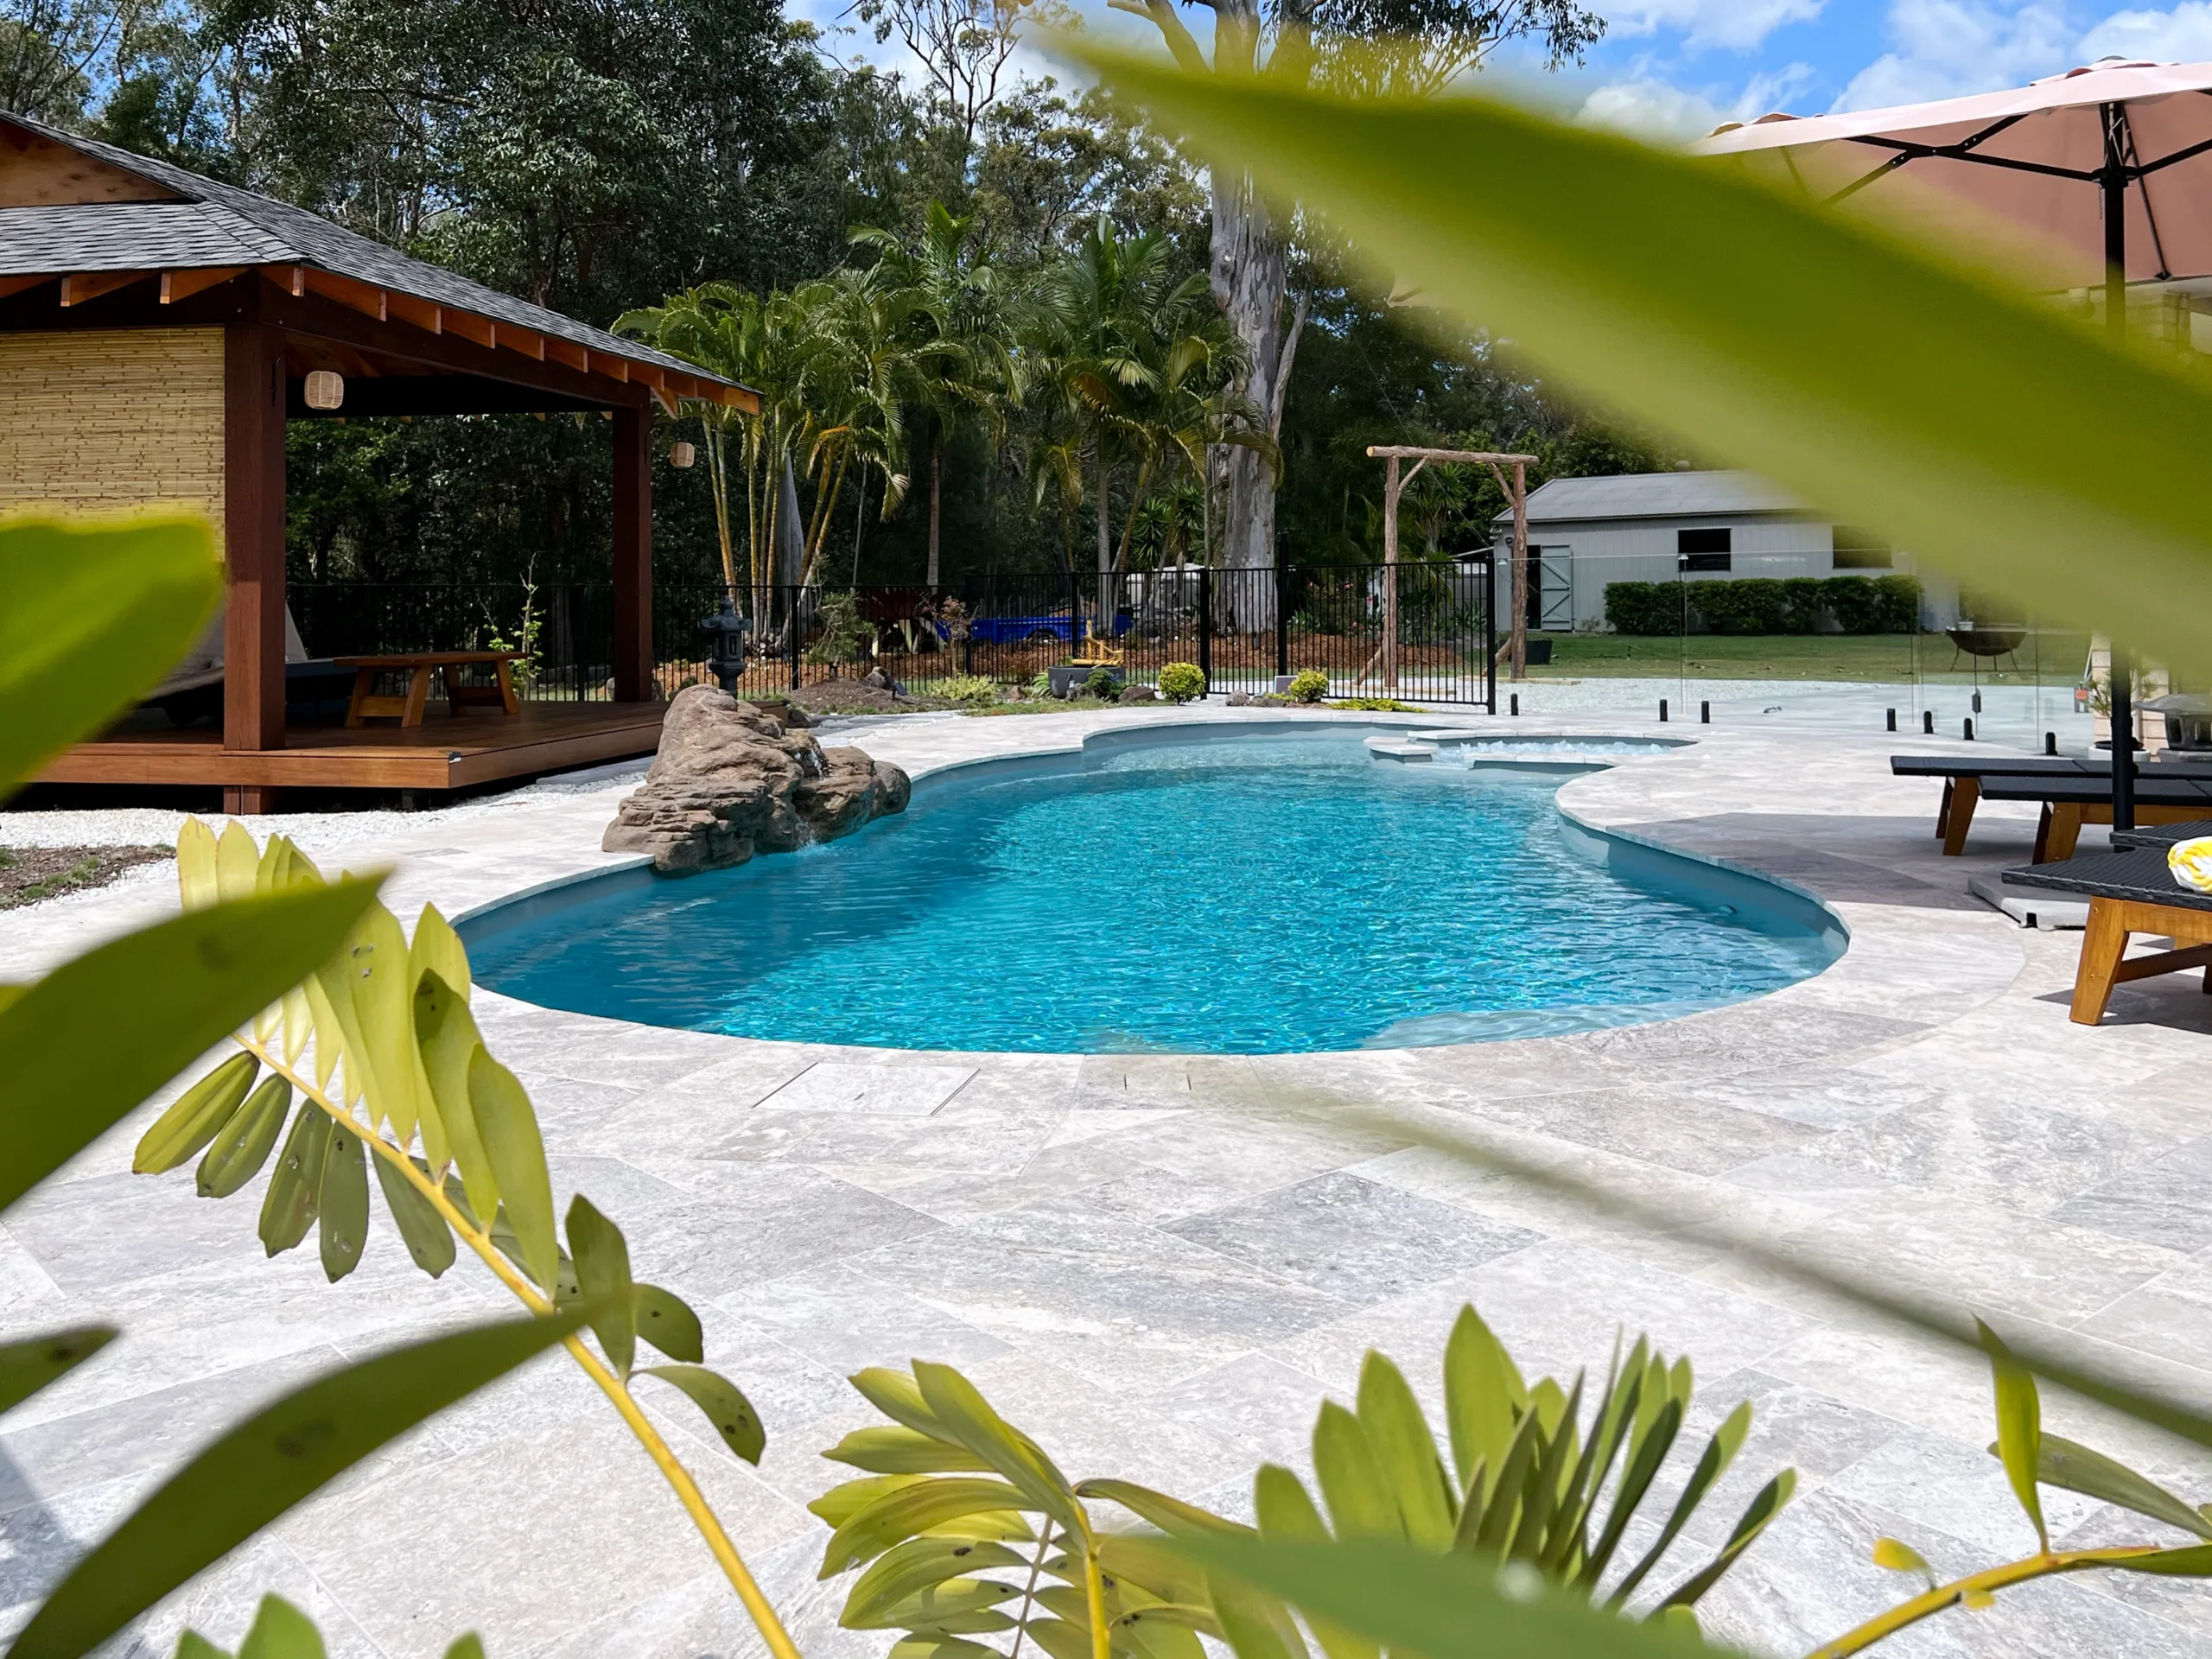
point(162, 217)
point(1658, 495)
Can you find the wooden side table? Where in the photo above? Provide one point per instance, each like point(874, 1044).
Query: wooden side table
point(419, 666)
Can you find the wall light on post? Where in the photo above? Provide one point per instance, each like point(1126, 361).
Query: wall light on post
point(681, 456)
point(325, 389)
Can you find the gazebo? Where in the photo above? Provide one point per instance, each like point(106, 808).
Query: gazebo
point(158, 331)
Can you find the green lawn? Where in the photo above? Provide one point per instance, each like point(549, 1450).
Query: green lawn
point(1880, 657)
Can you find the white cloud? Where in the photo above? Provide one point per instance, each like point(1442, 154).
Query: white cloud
point(1738, 25)
point(2182, 35)
point(1656, 109)
point(1651, 109)
point(1946, 49)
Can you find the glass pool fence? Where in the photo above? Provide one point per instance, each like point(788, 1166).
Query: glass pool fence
point(1640, 639)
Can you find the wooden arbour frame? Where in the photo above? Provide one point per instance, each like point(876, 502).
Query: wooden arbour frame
point(1515, 486)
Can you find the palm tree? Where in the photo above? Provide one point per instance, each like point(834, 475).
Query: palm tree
point(863, 378)
point(958, 327)
point(1140, 357)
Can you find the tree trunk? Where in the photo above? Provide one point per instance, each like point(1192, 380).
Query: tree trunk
point(1248, 269)
point(1104, 628)
point(937, 479)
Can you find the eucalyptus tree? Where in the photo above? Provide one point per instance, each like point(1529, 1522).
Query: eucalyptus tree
point(1302, 41)
point(957, 320)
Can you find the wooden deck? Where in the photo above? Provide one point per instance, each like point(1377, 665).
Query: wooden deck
point(445, 752)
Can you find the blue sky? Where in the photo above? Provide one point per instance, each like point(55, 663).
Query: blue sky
point(1676, 67)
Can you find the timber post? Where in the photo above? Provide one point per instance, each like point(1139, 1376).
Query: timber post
point(253, 548)
point(634, 556)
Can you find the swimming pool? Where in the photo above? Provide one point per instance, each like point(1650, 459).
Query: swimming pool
point(1245, 893)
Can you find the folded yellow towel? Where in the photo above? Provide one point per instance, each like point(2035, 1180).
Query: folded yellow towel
point(2191, 862)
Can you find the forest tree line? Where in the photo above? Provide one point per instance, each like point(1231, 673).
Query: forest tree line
point(1002, 326)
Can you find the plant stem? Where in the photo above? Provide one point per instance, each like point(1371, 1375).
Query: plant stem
point(2042, 1566)
point(671, 1467)
point(1094, 1592)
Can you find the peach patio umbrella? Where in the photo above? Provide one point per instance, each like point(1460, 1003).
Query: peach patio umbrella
point(2109, 167)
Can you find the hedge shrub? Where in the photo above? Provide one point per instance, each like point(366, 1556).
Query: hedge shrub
point(1181, 682)
point(1644, 607)
point(1762, 605)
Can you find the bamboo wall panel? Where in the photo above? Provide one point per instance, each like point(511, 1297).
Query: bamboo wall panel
point(105, 419)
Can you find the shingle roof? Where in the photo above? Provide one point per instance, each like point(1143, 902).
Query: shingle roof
point(219, 224)
point(1658, 495)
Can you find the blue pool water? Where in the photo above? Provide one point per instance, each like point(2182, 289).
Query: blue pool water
point(1248, 895)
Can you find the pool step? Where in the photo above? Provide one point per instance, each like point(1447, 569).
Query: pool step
point(1383, 748)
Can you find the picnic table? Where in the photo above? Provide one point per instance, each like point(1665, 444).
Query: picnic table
point(419, 666)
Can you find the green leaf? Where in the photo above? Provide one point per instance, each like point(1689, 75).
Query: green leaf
point(1449, 1607)
point(446, 1035)
point(1285, 1512)
point(898, 1397)
point(844, 1500)
point(185, 985)
point(917, 1565)
point(1980, 426)
point(910, 1508)
point(516, 1155)
point(726, 1408)
point(2019, 1425)
point(262, 1468)
point(193, 1645)
point(1170, 1515)
point(1360, 1504)
point(428, 1240)
point(1650, 1450)
point(970, 1419)
point(665, 1321)
point(2192, 1562)
point(377, 970)
point(900, 1451)
point(470, 1646)
point(2075, 1467)
point(342, 1201)
point(1712, 1464)
point(1766, 1504)
point(1253, 1624)
point(196, 1117)
point(1898, 1556)
point(603, 1260)
point(92, 614)
point(28, 1365)
point(281, 1631)
point(1482, 1390)
point(1405, 1454)
point(288, 1209)
point(244, 1143)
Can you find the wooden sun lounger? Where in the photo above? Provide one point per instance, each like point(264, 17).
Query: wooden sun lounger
point(2161, 835)
point(1963, 774)
point(2069, 803)
point(2128, 892)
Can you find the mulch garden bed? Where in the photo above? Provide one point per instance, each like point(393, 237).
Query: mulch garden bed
point(30, 874)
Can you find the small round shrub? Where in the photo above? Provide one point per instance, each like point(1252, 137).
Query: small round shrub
point(1311, 686)
point(1181, 682)
point(1041, 686)
point(972, 689)
point(1104, 684)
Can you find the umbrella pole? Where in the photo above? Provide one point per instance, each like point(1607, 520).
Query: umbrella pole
point(2113, 183)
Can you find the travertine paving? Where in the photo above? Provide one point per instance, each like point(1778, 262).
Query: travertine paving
point(1159, 1264)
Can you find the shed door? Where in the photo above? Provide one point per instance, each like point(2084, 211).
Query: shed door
point(1551, 589)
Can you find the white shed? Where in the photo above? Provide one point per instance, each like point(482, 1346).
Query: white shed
point(1718, 526)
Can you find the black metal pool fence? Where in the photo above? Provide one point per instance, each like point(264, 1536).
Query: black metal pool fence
point(1242, 629)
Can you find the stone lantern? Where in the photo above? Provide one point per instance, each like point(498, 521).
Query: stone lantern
point(725, 631)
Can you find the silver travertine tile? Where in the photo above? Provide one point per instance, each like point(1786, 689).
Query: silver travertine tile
point(842, 1319)
point(1120, 1304)
point(1355, 1239)
point(898, 1091)
point(1659, 1126)
point(2159, 1201)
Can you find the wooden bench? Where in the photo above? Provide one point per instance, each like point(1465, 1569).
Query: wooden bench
point(419, 667)
point(2129, 893)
